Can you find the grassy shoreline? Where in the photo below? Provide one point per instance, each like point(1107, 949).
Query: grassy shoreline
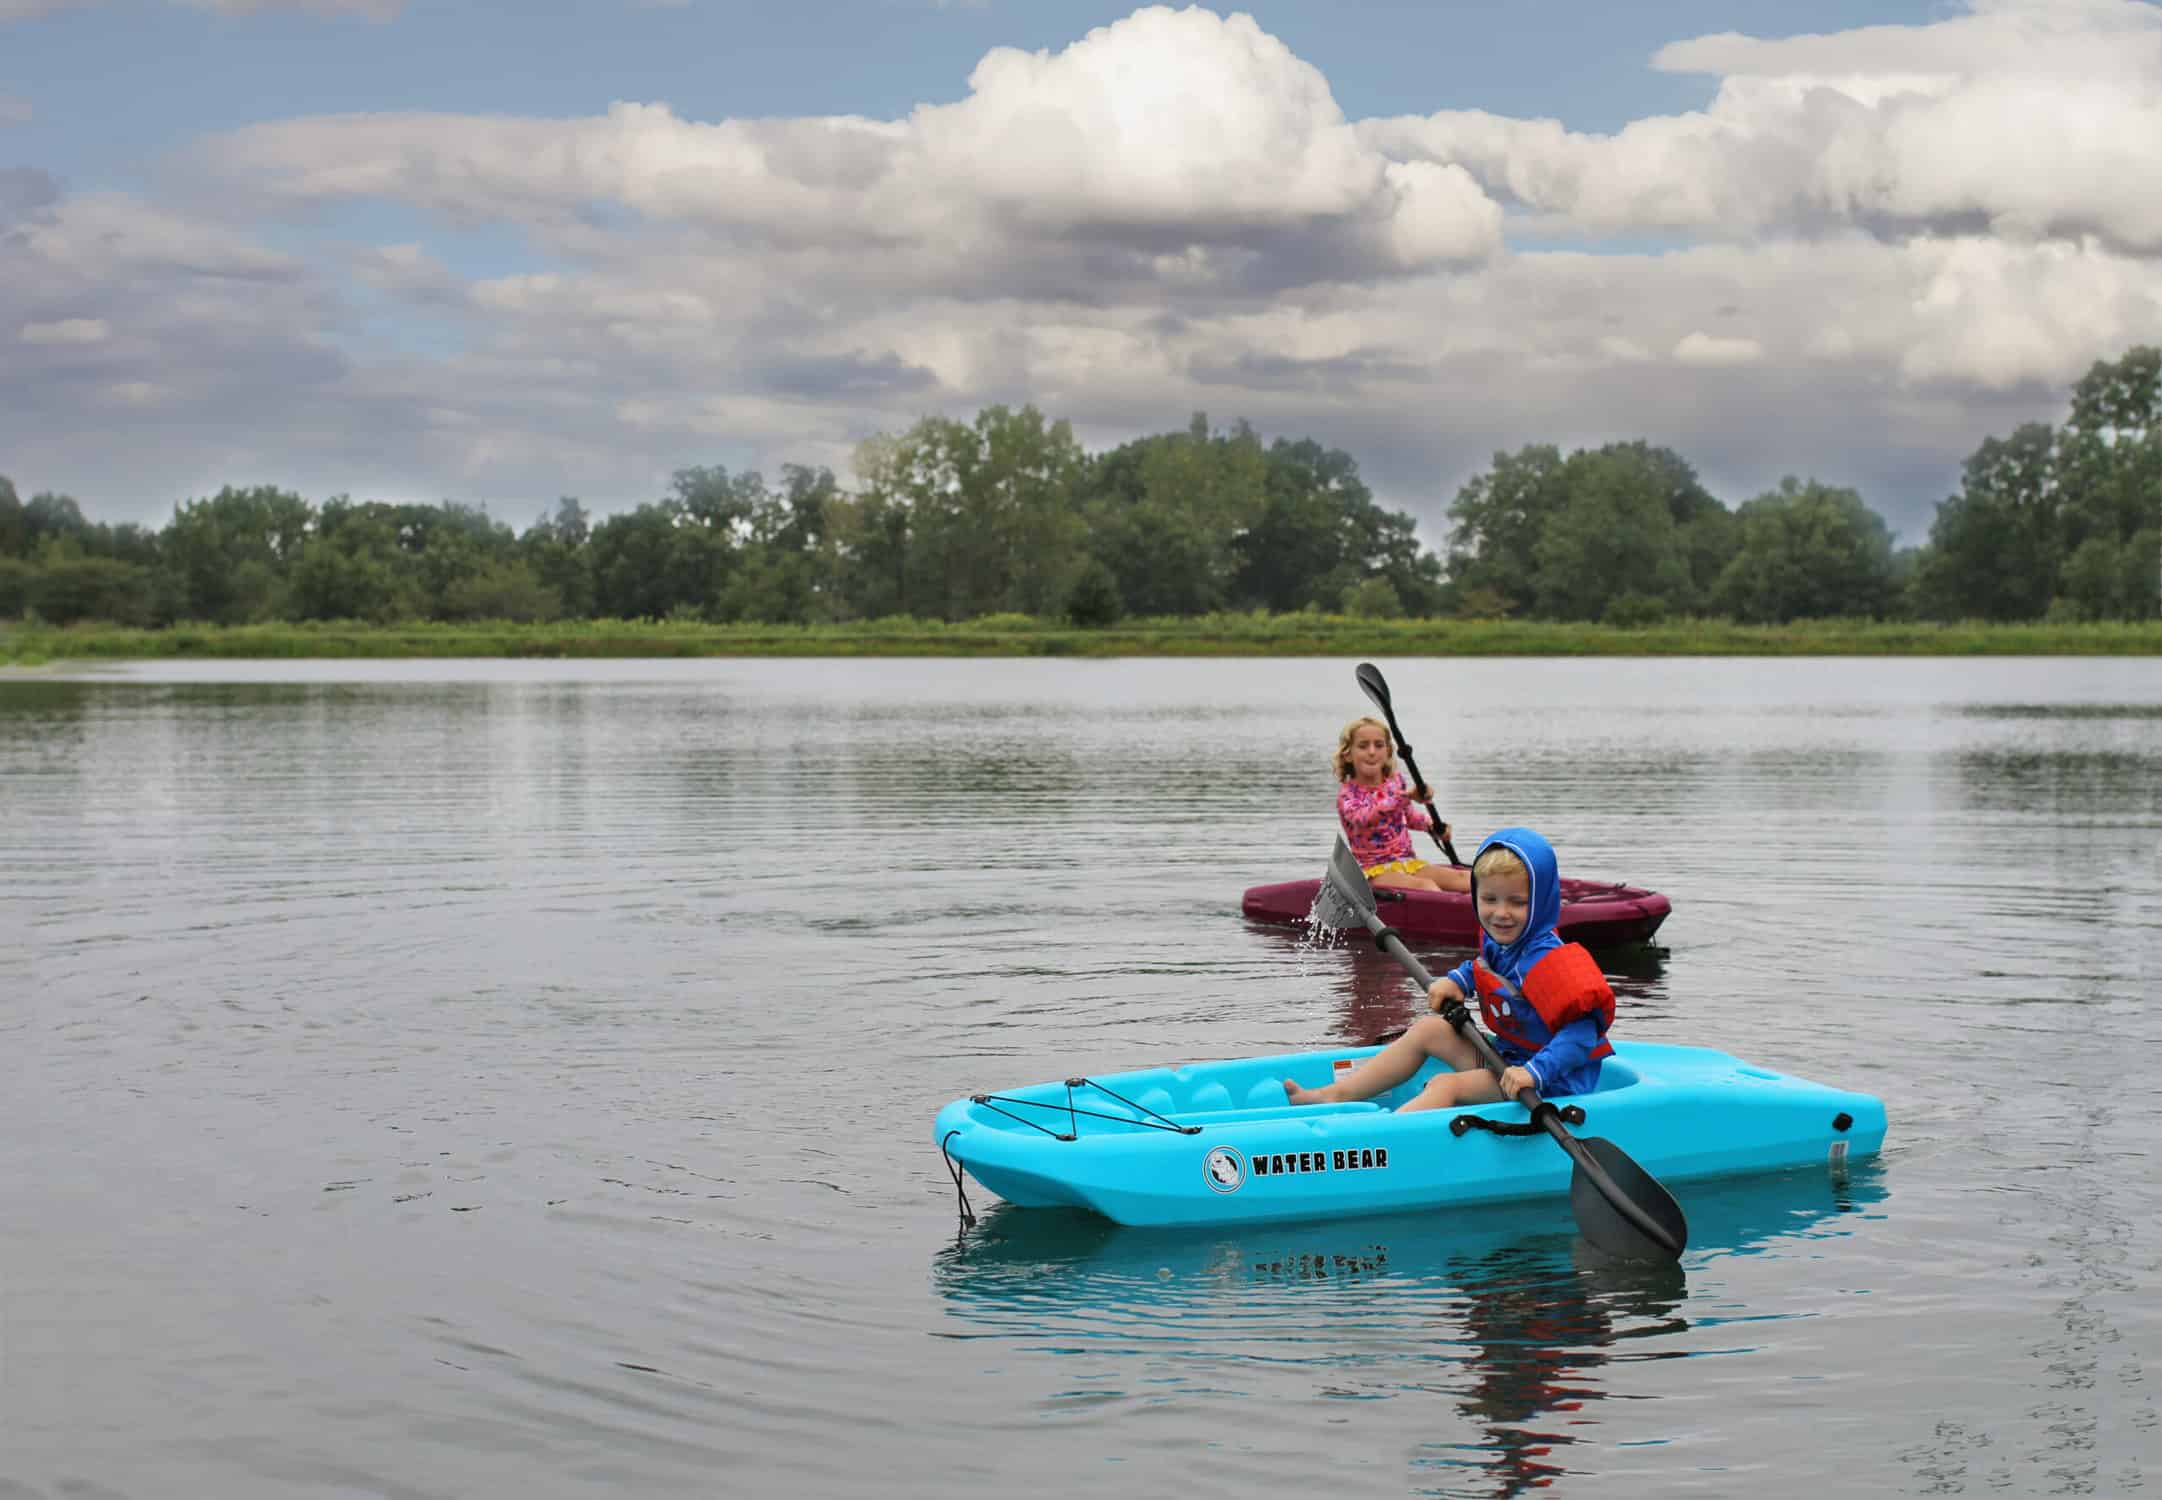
point(1011, 635)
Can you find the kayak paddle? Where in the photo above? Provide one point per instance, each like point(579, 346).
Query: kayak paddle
point(1620, 1208)
point(1377, 688)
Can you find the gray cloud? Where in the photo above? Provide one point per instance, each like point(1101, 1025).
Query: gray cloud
point(24, 191)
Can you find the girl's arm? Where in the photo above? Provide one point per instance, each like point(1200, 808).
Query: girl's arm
point(1403, 795)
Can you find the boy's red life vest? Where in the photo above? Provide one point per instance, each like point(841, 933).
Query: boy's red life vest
point(1562, 986)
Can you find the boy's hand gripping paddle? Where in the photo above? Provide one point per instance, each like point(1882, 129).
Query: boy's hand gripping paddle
point(1620, 1208)
point(1377, 688)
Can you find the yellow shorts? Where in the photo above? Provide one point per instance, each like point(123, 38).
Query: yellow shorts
point(1396, 867)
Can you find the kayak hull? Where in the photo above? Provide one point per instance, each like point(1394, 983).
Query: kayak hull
point(1594, 913)
point(1216, 1143)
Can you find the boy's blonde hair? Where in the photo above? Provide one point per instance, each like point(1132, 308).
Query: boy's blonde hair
point(1342, 758)
point(1498, 859)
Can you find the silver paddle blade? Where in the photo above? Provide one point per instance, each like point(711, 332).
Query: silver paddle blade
point(1376, 687)
point(1345, 899)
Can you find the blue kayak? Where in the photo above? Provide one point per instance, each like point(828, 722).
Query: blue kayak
point(1217, 1143)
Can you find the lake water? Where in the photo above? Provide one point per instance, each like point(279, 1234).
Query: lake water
point(492, 1078)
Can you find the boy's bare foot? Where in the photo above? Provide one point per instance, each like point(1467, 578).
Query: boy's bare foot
point(1293, 1094)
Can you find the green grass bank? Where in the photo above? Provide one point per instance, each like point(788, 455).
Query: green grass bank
point(24, 644)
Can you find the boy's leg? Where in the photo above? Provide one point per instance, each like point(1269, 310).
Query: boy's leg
point(1429, 1036)
point(1474, 1085)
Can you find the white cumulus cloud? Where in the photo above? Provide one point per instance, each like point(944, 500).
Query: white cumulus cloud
point(1176, 144)
point(2028, 119)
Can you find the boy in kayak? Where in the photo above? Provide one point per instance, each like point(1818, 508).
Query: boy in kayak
point(1544, 1000)
point(1378, 813)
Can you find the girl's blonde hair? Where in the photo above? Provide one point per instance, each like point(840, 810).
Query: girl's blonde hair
point(1498, 859)
point(1342, 758)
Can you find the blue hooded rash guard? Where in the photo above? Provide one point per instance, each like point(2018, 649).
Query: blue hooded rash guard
point(1564, 1065)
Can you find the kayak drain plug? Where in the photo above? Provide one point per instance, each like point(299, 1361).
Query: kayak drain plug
point(1842, 1121)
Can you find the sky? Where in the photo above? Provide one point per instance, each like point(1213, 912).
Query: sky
point(492, 253)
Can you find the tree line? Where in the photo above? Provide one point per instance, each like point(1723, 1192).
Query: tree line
point(1007, 513)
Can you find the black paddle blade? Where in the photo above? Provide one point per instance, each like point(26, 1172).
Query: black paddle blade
point(1345, 899)
point(1376, 687)
point(1631, 1215)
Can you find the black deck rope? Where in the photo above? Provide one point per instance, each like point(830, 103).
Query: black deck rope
point(1533, 1124)
point(968, 1215)
point(993, 1101)
point(1074, 1114)
point(1167, 1123)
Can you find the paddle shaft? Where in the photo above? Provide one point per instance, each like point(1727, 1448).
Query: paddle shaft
point(1371, 680)
point(1528, 1096)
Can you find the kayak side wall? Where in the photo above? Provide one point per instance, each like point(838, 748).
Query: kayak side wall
point(1593, 913)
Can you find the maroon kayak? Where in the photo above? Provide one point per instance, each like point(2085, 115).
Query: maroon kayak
point(1593, 912)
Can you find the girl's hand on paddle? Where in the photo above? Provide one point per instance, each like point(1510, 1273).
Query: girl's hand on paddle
point(1441, 992)
point(1513, 1079)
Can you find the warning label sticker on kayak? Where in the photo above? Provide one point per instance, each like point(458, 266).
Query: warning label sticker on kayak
point(1344, 1065)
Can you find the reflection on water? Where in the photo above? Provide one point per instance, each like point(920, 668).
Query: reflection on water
point(1506, 1317)
point(1375, 999)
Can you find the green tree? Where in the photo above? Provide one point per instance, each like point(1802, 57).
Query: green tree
point(1563, 537)
point(1995, 548)
point(1373, 599)
point(2108, 579)
point(499, 591)
point(66, 585)
point(1496, 522)
point(1094, 600)
point(554, 549)
point(14, 524)
point(354, 567)
point(1166, 514)
point(230, 554)
point(1320, 533)
point(1807, 551)
point(2109, 475)
point(1614, 534)
point(962, 519)
point(870, 534)
point(787, 566)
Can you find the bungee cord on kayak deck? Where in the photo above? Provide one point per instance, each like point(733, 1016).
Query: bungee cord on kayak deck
point(1154, 1121)
point(1074, 1116)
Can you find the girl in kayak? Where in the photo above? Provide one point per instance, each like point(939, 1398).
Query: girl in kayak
point(1378, 813)
point(1544, 1000)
